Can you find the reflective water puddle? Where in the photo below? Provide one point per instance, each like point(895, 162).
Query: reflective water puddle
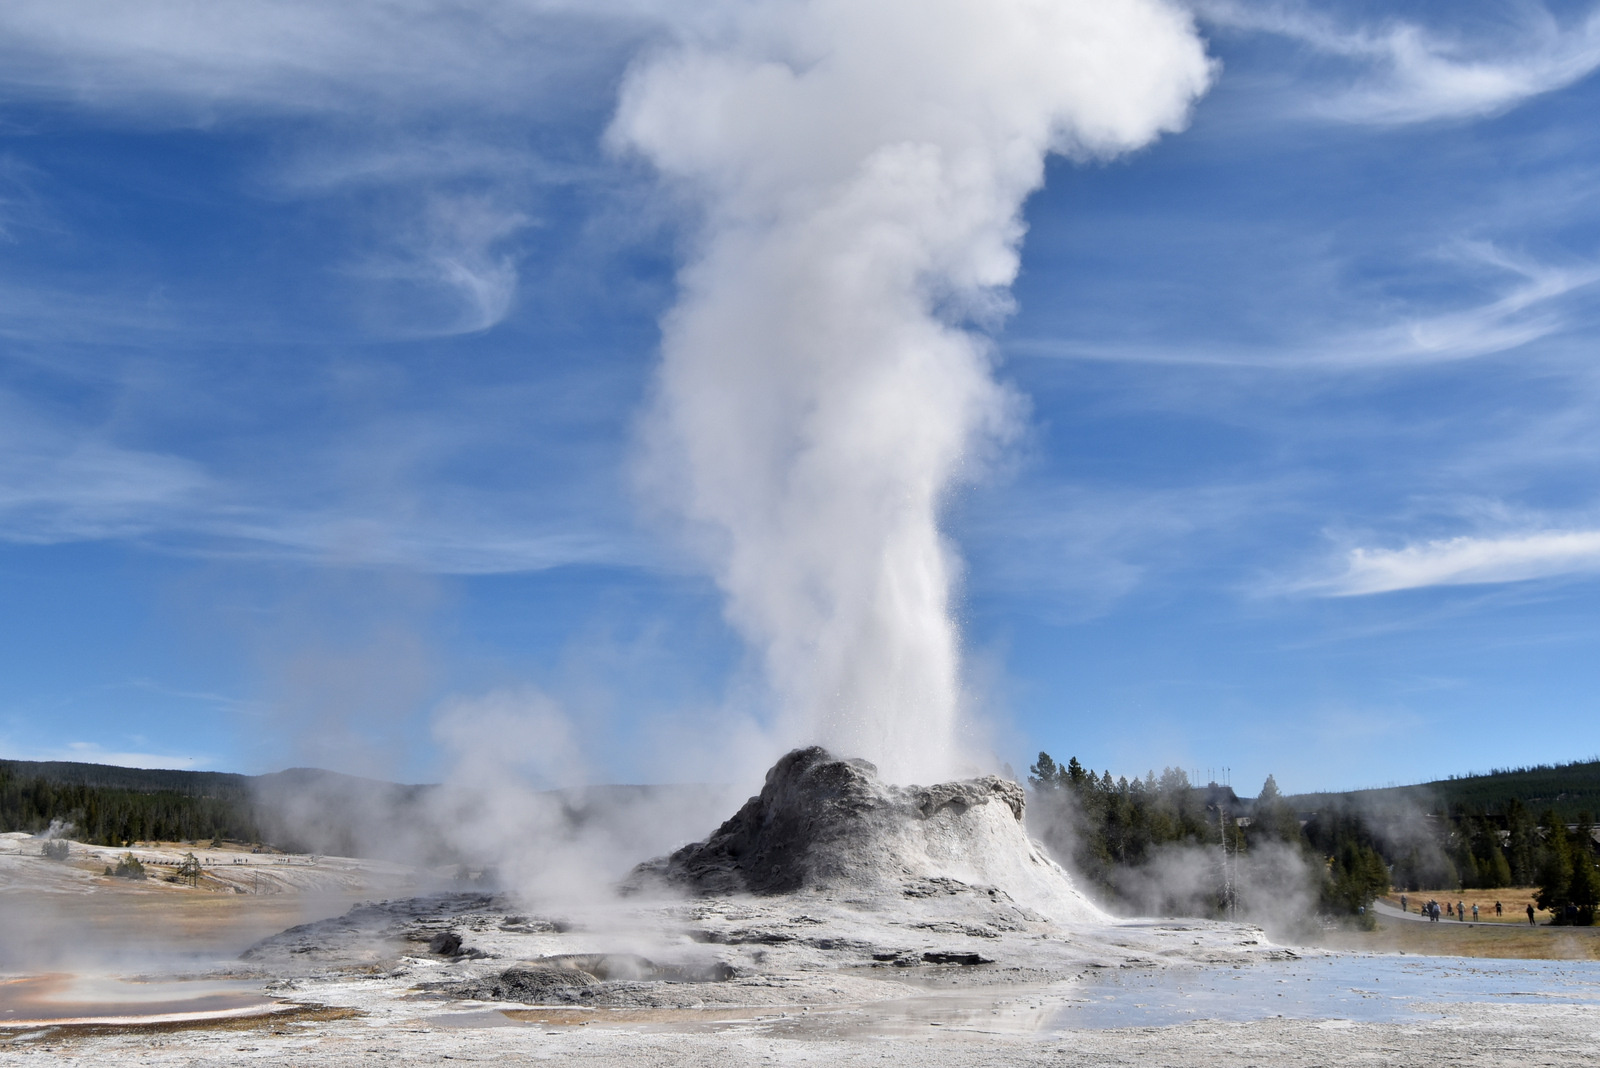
point(1357, 988)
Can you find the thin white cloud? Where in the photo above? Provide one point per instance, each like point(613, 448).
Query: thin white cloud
point(1407, 73)
point(462, 247)
point(62, 317)
point(1464, 561)
point(217, 701)
point(1072, 552)
point(1536, 304)
point(306, 55)
point(418, 96)
point(95, 753)
point(56, 486)
point(134, 496)
point(415, 158)
point(1523, 313)
point(20, 202)
point(446, 545)
point(63, 483)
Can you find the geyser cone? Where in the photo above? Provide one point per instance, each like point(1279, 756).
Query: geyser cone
point(822, 824)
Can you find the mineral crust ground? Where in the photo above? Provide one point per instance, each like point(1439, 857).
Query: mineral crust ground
point(834, 920)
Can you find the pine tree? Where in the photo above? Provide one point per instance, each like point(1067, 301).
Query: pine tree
point(1075, 774)
point(1522, 843)
point(1555, 866)
point(1272, 818)
point(1584, 890)
point(1045, 775)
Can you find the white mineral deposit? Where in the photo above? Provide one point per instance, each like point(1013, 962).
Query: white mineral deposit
point(833, 919)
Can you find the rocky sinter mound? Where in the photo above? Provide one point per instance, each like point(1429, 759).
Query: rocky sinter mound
point(829, 888)
point(822, 824)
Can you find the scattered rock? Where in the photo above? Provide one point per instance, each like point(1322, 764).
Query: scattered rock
point(955, 958)
point(579, 977)
point(740, 937)
point(528, 985)
point(445, 944)
point(971, 930)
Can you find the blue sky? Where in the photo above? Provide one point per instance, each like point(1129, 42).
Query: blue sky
point(325, 337)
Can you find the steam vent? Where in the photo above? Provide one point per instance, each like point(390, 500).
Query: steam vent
point(826, 825)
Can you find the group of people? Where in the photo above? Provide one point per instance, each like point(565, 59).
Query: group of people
point(1431, 910)
point(1457, 911)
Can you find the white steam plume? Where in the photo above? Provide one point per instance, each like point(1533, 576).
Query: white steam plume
point(859, 169)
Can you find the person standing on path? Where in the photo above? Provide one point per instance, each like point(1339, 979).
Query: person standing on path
point(1461, 911)
point(1403, 907)
point(1530, 915)
point(1474, 912)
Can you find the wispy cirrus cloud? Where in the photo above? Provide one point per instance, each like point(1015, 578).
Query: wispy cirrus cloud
point(95, 753)
point(299, 55)
point(1075, 551)
point(1403, 72)
point(431, 101)
point(1463, 561)
point(1526, 311)
point(64, 481)
point(57, 485)
point(461, 247)
point(1536, 302)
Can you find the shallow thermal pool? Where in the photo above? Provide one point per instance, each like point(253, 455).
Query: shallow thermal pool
point(1359, 988)
point(87, 999)
point(1368, 988)
point(1371, 989)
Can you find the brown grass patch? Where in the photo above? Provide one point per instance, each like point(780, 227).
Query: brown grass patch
point(1452, 939)
point(1516, 899)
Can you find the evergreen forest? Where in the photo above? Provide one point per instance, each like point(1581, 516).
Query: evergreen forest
point(1160, 844)
point(104, 808)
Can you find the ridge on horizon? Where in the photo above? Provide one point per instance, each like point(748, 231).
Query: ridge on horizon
point(115, 776)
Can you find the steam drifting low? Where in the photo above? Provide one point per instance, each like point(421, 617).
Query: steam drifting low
point(857, 173)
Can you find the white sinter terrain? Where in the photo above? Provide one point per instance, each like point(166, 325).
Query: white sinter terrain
point(839, 919)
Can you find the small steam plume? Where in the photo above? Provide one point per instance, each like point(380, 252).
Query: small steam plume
point(857, 172)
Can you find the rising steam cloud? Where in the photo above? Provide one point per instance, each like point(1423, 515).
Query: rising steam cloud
point(858, 171)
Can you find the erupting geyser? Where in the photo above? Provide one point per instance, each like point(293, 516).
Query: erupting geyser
point(827, 826)
point(857, 173)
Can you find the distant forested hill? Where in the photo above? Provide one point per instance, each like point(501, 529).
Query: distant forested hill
point(140, 780)
point(107, 805)
point(110, 806)
point(314, 811)
point(1568, 789)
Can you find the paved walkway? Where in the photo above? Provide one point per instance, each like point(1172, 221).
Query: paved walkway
point(1390, 912)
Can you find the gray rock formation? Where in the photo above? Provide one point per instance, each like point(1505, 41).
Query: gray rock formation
point(830, 825)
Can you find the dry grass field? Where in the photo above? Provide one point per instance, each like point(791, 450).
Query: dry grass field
point(1439, 940)
point(1516, 899)
point(1511, 936)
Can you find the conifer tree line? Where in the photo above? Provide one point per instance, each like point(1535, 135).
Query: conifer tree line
point(1117, 832)
point(299, 810)
point(115, 816)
